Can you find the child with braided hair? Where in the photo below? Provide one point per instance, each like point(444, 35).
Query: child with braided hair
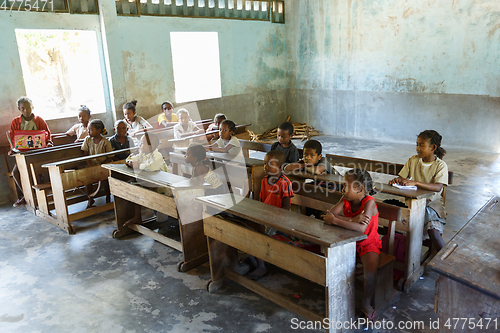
point(358, 211)
point(428, 171)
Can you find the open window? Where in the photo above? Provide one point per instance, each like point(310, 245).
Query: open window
point(195, 58)
point(61, 71)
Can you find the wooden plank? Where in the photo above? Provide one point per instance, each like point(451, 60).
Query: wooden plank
point(303, 263)
point(473, 254)
point(61, 225)
point(143, 197)
point(91, 211)
point(157, 237)
point(340, 275)
point(82, 177)
point(304, 227)
point(414, 236)
point(273, 296)
point(456, 300)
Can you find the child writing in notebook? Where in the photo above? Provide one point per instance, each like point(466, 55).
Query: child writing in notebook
point(276, 190)
point(95, 144)
point(358, 211)
point(227, 143)
point(219, 117)
point(81, 129)
point(285, 144)
point(27, 121)
point(136, 122)
point(121, 140)
point(167, 116)
point(428, 171)
point(148, 159)
point(197, 157)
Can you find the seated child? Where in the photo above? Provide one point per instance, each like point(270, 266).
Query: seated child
point(197, 157)
point(358, 211)
point(81, 130)
point(276, 190)
point(121, 140)
point(185, 127)
point(312, 161)
point(95, 144)
point(427, 170)
point(27, 121)
point(227, 143)
point(148, 159)
point(219, 117)
point(167, 115)
point(285, 144)
point(136, 122)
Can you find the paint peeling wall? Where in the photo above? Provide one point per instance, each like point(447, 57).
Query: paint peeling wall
point(252, 56)
point(389, 69)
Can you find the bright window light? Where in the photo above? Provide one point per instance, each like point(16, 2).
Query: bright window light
point(61, 71)
point(195, 58)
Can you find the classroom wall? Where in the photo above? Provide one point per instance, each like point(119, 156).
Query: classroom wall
point(390, 69)
point(139, 64)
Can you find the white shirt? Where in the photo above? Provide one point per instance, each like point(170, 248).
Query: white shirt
point(233, 141)
point(79, 130)
point(149, 162)
point(178, 130)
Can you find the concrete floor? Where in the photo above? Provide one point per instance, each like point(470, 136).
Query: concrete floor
point(89, 282)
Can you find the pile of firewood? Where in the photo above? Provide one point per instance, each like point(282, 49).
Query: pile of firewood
point(302, 131)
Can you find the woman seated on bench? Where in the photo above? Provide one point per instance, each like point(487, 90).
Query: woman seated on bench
point(358, 211)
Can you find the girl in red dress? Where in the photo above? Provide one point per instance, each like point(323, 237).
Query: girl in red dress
point(358, 211)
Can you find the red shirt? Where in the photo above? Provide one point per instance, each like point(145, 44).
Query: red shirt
point(39, 122)
point(372, 229)
point(274, 194)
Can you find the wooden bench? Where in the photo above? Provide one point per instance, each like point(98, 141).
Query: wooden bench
point(255, 167)
point(335, 270)
point(201, 137)
point(467, 289)
point(181, 206)
point(24, 159)
point(63, 179)
point(318, 198)
point(411, 221)
point(62, 139)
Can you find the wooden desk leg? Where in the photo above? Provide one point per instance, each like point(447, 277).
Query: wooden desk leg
point(221, 256)
point(124, 210)
point(59, 195)
point(26, 183)
point(193, 240)
point(414, 241)
point(258, 174)
point(340, 275)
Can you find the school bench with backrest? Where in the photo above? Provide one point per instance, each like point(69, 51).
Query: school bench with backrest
point(321, 199)
point(68, 177)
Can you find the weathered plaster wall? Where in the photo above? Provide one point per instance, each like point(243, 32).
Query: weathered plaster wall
point(252, 61)
point(390, 69)
point(12, 83)
point(137, 49)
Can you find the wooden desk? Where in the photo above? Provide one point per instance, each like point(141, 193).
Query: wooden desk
point(182, 206)
point(469, 273)
point(334, 270)
point(255, 167)
point(44, 155)
point(63, 178)
point(411, 221)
